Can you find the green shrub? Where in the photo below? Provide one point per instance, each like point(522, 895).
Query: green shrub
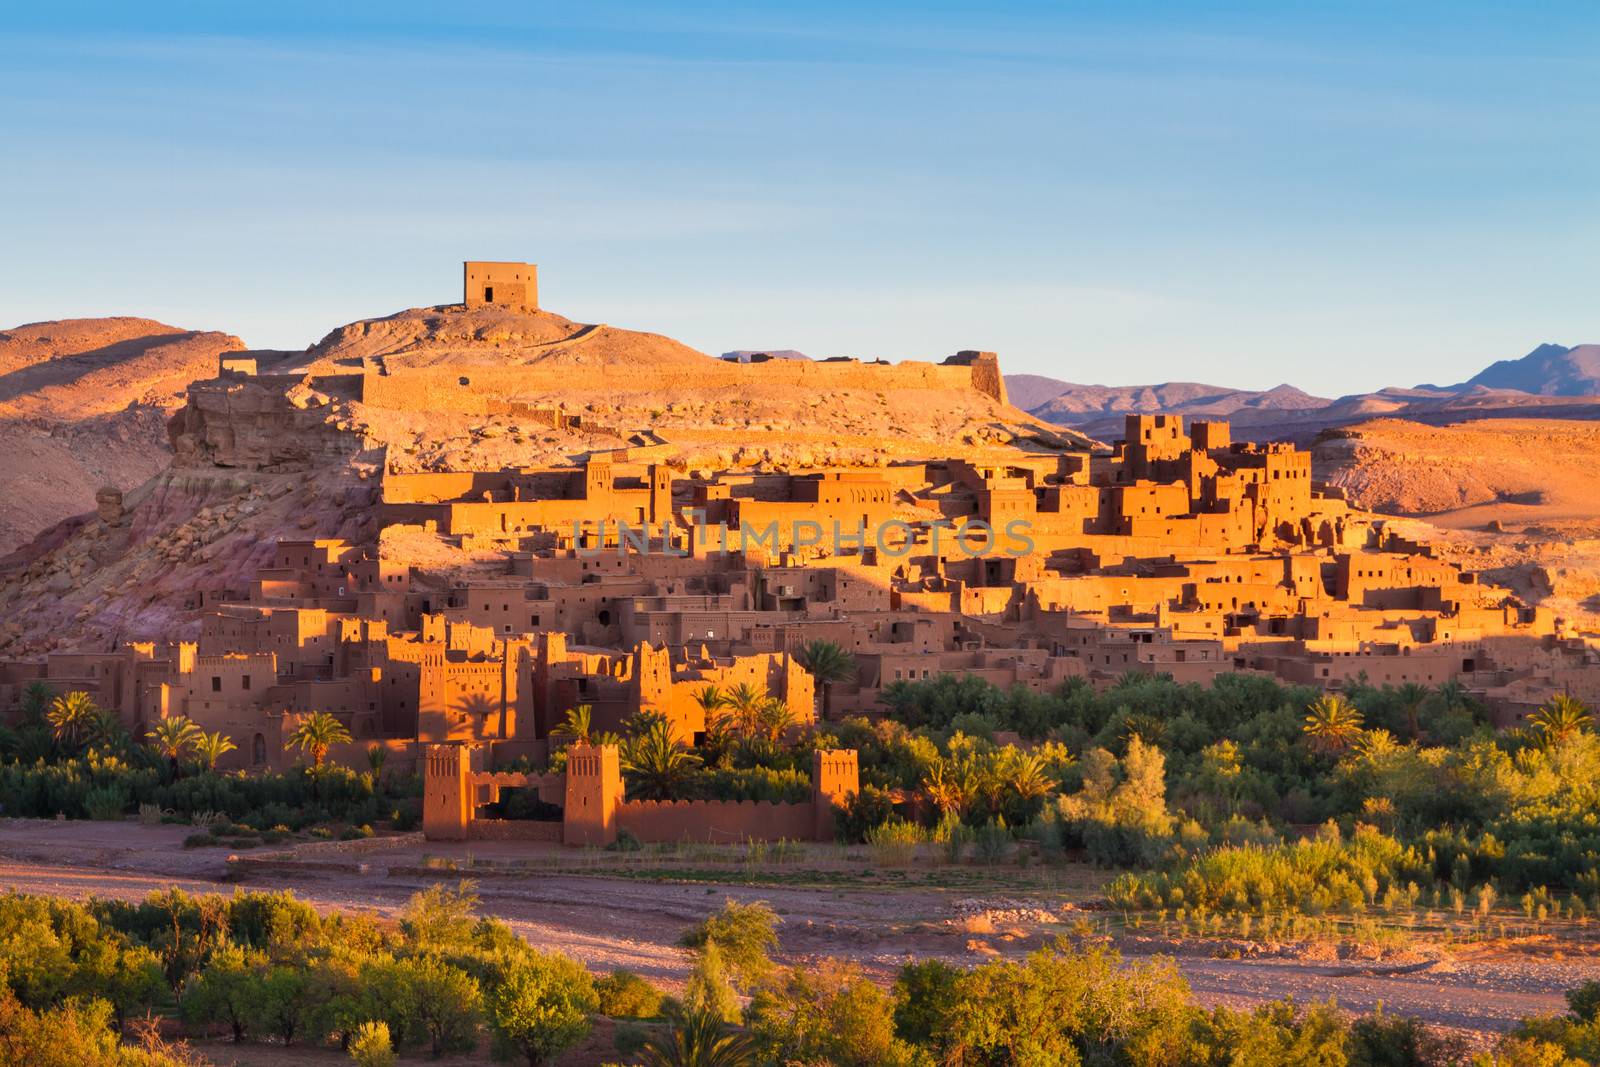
point(957, 836)
point(894, 843)
point(778, 785)
point(626, 842)
point(624, 995)
point(744, 936)
point(991, 843)
point(541, 1007)
point(371, 1047)
point(106, 803)
point(828, 1013)
point(864, 810)
point(445, 1004)
point(1327, 873)
point(406, 816)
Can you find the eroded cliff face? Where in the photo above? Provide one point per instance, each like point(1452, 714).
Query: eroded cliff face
point(254, 460)
point(273, 423)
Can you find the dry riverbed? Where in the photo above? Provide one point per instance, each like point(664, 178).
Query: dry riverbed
point(633, 917)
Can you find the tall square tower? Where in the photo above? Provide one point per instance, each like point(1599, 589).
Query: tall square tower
point(513, 285)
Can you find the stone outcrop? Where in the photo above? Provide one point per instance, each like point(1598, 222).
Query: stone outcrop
point(278, 422)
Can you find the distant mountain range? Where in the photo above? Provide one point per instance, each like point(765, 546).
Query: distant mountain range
point(1551, 381)
point(1549, 370)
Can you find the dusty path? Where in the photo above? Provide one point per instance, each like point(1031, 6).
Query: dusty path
point(611, 922)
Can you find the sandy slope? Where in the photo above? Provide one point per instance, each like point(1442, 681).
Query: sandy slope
point(83, 404)
point(1517, 499)
point(1465, 474)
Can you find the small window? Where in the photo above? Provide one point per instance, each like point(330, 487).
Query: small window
point(216, 683)
point(244, 682)
point(488, 294)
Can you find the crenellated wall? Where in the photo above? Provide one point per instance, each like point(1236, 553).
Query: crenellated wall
point(594, 812)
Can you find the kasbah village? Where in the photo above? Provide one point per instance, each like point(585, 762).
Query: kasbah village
point(628, 584)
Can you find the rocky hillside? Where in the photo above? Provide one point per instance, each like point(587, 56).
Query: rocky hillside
point(453, 335)
point(83, 405)
point(1512, 471)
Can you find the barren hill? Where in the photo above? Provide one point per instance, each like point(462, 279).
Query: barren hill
point(490, 335)
point(1516, 498)
point(457, 388)
point(83, 404)
point(1513, 471)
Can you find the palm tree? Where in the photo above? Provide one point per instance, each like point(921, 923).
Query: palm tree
point(1562, 718)
point(1151, 729)
point(657, 763)
point(317, 733)
point(36, 699)
point(711, 700)
point(72, 718)
point(172, 737)
point(775, 719)
point(1412, 696)
point(698, 1038)
point(1452, 694)
point(377, 756)
point(828, 663)
point(1132, 679)
point(1027, 777)
point(949, 787)
point(744, 700)
point(1333, 724)
point(989, 783)
point(105, 730)
point(577, 724)
point(212, 747)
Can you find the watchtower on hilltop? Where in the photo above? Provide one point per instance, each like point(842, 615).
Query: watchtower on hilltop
point(508, 284)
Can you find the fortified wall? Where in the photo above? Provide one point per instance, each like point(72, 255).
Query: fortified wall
point(594, 810)
point(484, 390)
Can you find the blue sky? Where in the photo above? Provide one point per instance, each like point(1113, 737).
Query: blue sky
point(1339, 196)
